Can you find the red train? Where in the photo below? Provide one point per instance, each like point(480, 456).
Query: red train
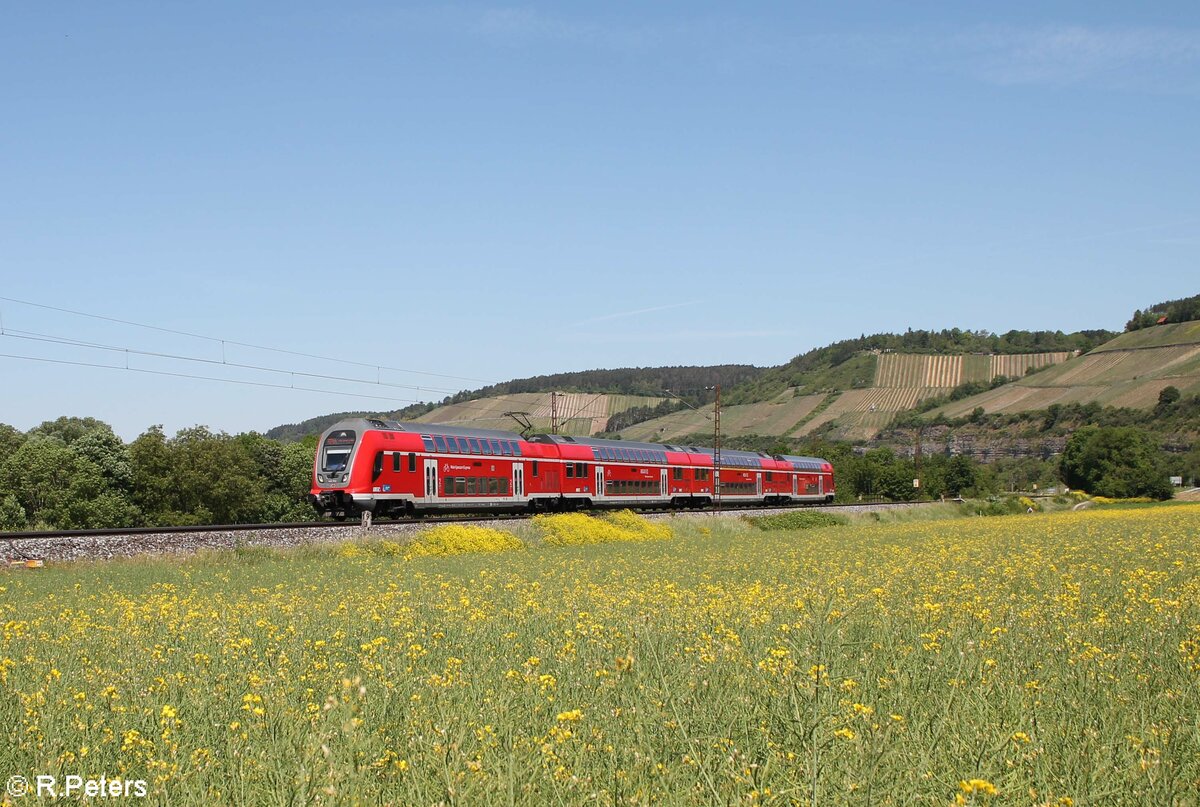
point(390, 468)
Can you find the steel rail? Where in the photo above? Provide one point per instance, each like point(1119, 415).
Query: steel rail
point(418, 521)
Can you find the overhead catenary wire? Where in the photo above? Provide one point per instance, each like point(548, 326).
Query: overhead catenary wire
point(71, 342)
point(339, 393)
point(224, 342)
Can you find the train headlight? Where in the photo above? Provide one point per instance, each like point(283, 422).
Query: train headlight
point(345, 477)
point(320, 478)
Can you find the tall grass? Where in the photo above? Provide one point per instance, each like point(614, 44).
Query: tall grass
point(1023, 660)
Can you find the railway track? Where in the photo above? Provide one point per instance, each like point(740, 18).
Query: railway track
point(70, 545)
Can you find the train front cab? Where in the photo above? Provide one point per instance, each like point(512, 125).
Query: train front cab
point(333, 469)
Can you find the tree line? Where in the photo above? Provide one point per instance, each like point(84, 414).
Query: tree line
point(76, 473)
point(1182, 310)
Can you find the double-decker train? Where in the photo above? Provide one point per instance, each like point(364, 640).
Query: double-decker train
point(390, 469)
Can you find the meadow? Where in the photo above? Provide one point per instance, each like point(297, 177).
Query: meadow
point(1027, 659)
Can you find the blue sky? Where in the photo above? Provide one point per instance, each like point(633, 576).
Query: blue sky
point(495, 191)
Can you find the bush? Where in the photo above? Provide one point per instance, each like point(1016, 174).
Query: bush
point(573, 529)
point(12, 515)
point(801, 520)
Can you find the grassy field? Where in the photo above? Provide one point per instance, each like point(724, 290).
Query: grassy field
point(1012, 660)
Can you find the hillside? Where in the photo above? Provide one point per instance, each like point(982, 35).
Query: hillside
point(897, 382)
point(627, 387)
point(847, 390)
point(1128, 371)
point(579, 414)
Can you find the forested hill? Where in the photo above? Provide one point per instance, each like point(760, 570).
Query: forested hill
point(848, 363)
point(651, 381)
point(294, 432)
point(623, 381)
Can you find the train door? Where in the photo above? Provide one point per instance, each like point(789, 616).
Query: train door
point(431, 481)
point(518, 480)
point(820, 484)
point(795, 484)
point(758, 484)
point(662, 482)
point(599, 481)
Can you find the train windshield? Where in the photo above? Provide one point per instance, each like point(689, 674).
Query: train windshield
point(335, 455)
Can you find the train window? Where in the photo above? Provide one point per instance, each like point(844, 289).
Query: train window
point(460, 485)
point(448, 486)
point(570, 470)
point(503, 486)
point(441, 443)
point(608, 488)
point(770, 476)
point(493, 485)
point(377, 468)
point(395, 462)
point(412, 463)
point(516, 448)
point(535, 468)
point(487, 449)
point(428, 441)
point(470, 486)
point(677, 473)
point(580, 471)
point(460, 444)
point(475, 449)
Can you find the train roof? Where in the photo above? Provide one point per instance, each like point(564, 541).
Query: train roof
point(423, 428)
point(598, 442)
point(729, 456)
point(804, 463)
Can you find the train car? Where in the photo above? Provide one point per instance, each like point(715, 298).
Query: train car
point(390, 468)
point(625, 473)
point(812, 478)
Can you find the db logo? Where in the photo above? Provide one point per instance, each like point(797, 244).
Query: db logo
point(446, 467)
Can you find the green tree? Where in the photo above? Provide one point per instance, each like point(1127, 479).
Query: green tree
point(10, 441)
point(198, 477)
point(961, 475)
point(12, 515)
point(1116, 461)
point(59, 488)
point(1167, 398)
point(152, 478)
